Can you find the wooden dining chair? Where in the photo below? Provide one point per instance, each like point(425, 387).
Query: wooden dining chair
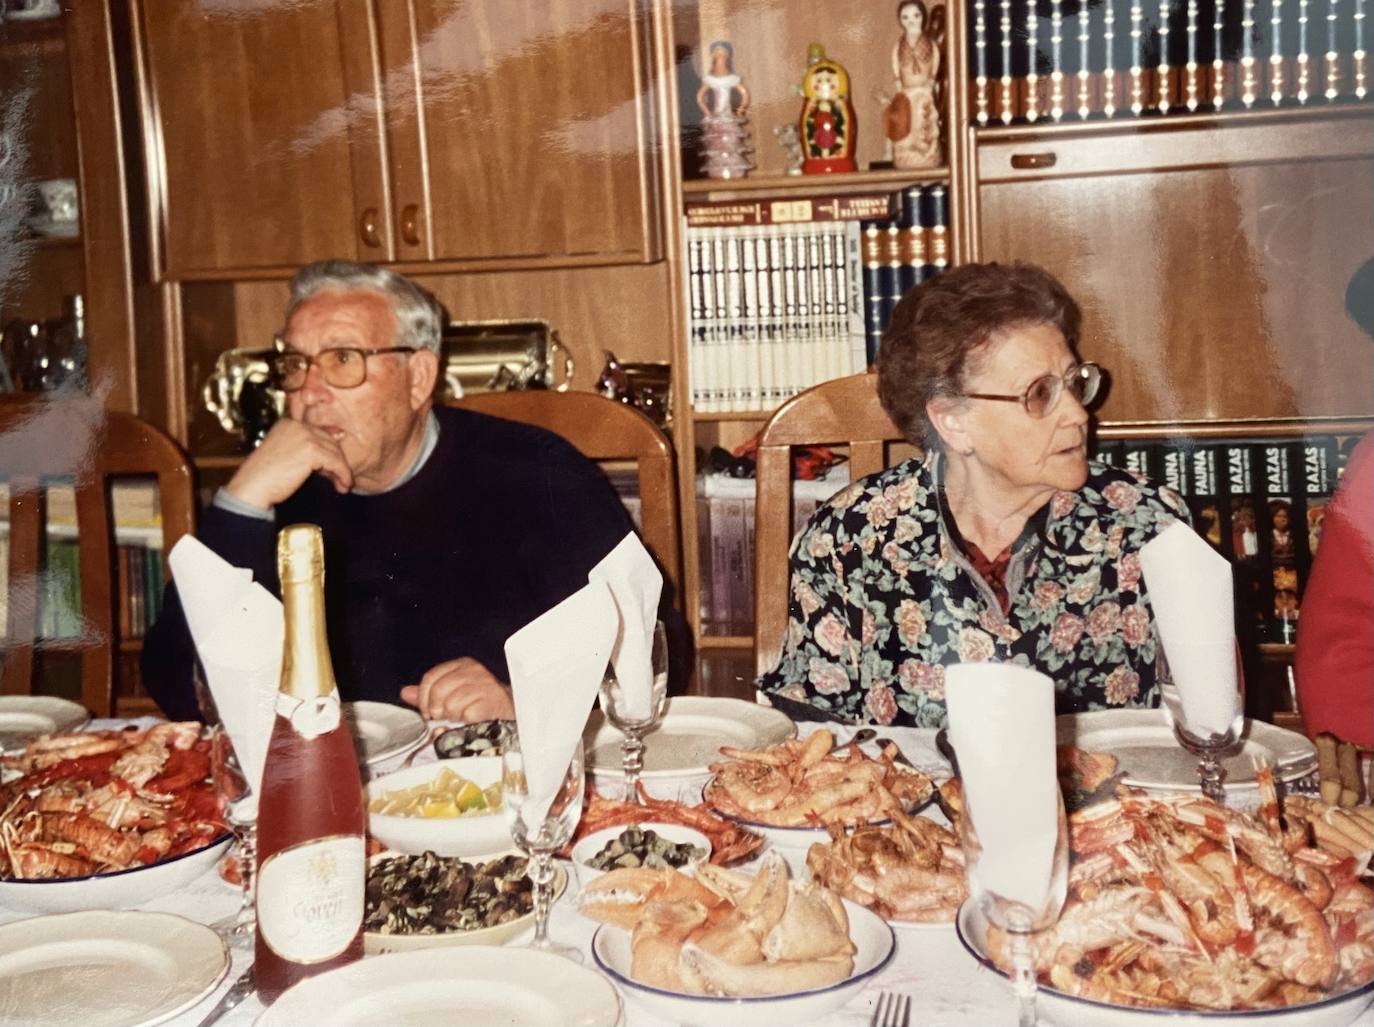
point(606, 431)
point(840, 412)
point(75, 442)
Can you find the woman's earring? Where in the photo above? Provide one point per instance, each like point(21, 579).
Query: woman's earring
point(967, 452)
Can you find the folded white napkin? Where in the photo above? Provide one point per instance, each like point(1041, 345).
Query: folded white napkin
point(635, 583)
point(1190, 590)
point(1001, 723)
point(238, 629)
point(556, 663)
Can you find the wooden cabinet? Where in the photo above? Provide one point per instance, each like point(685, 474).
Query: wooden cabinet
point(1210, 254)
point(63, 71)
point(409, 131)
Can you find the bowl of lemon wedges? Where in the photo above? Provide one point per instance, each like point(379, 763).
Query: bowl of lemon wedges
point(450, 807)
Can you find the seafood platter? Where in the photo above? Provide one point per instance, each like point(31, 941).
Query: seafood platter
point(107, 819)
point(724, 946)
point(425, 901)
point(449, 807)
point(1180, 905)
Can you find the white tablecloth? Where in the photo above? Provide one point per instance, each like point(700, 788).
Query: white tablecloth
point(947, 986)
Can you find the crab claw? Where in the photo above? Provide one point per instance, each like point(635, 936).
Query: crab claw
point(766, 900)
point(714, 976)
point(813, 926)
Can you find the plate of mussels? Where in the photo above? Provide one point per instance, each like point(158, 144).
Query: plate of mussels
point(426, 901)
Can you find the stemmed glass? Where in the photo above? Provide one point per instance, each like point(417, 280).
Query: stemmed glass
point(1206, 743)
point(1035, 907)
point(540, 841)
point(240, 807)
point(636, 723)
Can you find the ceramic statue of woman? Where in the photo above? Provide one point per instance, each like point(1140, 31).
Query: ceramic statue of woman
point(912, 117)
point(827, 125)
point(724, 128)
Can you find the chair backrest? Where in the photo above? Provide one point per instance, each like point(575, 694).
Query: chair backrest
point(843, 411)
point(602, 429)
point(75, 442)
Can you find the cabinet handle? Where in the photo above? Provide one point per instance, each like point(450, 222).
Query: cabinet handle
point(367, 228)
point(1031, 161)
point(410, 227)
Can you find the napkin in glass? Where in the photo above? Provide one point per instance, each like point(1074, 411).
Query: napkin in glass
point(636, 584)
point(1001, 723)
point(556, 663)
point(238, 628)
point(1190, 590)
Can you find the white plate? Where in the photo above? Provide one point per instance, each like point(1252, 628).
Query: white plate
point(102, 969)
point(381, 730)
point(1143, 741)
point(473, 984)
point(1071, 1011)
point(24, 717)
point(872, 937)
point(376, 943)
point(690, 737)
point(118, 890)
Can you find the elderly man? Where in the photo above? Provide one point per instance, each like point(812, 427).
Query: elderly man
point(444, 530)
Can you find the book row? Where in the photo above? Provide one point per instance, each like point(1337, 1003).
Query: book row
point(1033, 60)
point(783, 297)
point(139, 576)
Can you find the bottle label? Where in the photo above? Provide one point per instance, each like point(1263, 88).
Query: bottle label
point(310, 898)
point(312, 717)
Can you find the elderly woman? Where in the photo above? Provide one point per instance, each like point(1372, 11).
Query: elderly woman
point(1004, 543)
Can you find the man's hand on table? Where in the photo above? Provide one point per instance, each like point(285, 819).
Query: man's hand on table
point(461, 690)
point(289, 454)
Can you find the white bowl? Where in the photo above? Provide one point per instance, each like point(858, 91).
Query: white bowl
point(872, 937)
point(118, 890)
point(376, 943)
point(1071, 1011)
point(474, 835)
point(589, 846)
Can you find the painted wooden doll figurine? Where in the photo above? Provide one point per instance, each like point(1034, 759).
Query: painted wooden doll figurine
point(827, 125)
point(724, 127)
point(912, 118)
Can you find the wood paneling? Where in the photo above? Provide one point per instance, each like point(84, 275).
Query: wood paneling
point(532, 129)
point(1213, 285)
point(280, 173)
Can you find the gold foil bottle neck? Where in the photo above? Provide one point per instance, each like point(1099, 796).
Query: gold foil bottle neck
point(300, 553)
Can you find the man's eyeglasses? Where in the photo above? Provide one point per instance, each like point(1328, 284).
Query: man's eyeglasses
point(1082, 381)
point(343, 367)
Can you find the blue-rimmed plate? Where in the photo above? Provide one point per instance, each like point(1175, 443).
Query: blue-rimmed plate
point(1070, 1011)
point(117, 890)
point(873, 940)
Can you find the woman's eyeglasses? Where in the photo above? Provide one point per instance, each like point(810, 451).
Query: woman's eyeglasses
point(1082, 381)
point(343, 367)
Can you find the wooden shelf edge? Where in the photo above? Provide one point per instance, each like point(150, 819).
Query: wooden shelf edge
point(1169, 122)
point(699, 189)
point(732, 415)
point(725, 642)
point(1354, 424)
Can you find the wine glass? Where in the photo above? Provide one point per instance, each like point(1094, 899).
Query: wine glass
point(1208, 715)
point(240, 807)
point(1039, 896)
point(539, 841)
point(634, 722)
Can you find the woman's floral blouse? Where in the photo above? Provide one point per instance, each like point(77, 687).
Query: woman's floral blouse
point(882, 599)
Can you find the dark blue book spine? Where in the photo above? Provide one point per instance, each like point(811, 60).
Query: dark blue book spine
point(873, 238)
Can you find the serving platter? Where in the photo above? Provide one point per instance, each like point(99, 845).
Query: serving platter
point(1071, 1011)
point(689, 738)
point(1151, 758)
point(106, 969)
point(119, 889)
point(381, 730)
point(25, 717)
point(874, 944)
point(473, 984)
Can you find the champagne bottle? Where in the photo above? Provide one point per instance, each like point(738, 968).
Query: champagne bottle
point(312, 865)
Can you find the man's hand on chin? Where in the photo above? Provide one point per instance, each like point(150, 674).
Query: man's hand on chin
point(289, 454)
point(461, 690)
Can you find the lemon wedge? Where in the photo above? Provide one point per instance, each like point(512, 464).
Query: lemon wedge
point(446, 808)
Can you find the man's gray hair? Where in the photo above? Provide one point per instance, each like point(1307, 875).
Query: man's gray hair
point(419, 318)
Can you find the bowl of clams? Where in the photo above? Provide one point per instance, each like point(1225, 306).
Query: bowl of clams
point(649, 844)
point(427, 900)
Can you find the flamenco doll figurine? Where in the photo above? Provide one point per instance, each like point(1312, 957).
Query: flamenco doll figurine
point(724, 128)
point(912, 117)
point(827, 124)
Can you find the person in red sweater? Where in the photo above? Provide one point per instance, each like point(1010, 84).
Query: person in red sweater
point(1335, 659)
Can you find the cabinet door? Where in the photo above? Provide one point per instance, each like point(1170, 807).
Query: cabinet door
point(534, 129)
point(1211, 260)
point(264, 133)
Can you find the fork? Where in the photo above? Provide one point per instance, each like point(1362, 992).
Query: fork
point(892, 1010)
